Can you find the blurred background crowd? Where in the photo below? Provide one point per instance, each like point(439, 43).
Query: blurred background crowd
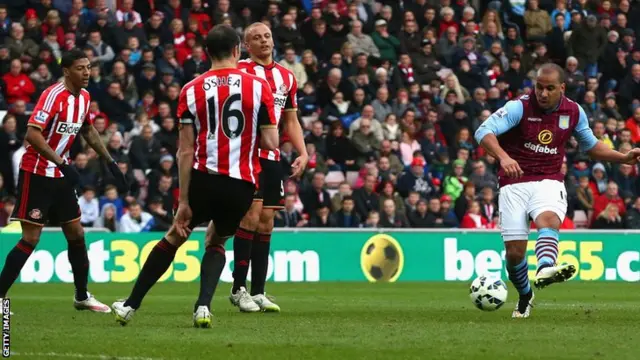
point(390, 95)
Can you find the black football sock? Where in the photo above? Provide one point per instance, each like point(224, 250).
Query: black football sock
point(259, 262)
point(16, 259)
point(242, 243)
point(79, 260)
point(213, 262)
point(157, 263)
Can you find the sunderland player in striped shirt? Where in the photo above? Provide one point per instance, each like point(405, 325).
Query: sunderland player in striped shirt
point(46, 185)
point(528, 137)
point(252, 240)
point(224, 114)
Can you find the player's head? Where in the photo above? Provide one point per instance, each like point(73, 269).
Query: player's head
point(76, 68)
point(549, 85)
point(223, 43)
point(258, 40)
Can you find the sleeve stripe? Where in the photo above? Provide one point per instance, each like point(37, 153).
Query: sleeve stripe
point(35, 126)
point(51, 97)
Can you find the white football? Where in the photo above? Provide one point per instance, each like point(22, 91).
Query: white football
point(488, 293)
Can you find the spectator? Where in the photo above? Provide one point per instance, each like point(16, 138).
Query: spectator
point(89, 210)
point(455, 182)
point(420, 217)
point(391, 218)
point(610, 197)
point(18, 86)
point(633, 215)
point(474, 219)
point(609, 218)
point(362, 43)
point(388, 44)
point(365, 141)
point(289, 216)
point(341, 154)
point(136, 220)
point(415, 180)
point(145, 150)
point(321, 218)
point(346, 217)
point(8, 205)
point(162, 218)
point(316, 197)
point(108, 218)
point(587, 43)
point(585, 196)
point(366, 200)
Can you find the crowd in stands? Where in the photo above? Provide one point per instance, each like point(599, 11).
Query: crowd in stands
point(390, 95)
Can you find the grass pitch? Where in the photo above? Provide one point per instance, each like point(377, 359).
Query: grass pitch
point(332, 321)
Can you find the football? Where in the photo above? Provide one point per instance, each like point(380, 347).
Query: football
point(488, 293)
point(381, 259)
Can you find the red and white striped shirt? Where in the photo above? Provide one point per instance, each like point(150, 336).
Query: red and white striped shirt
point(283, 86)
point(226, 107)
point(60, 115)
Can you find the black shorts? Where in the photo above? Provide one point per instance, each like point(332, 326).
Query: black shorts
point(45, 201)
point(219, 198)
point(271, 190)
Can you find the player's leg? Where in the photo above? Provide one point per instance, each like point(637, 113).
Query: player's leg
point(260, 261)
point(242, 244)
point(79, 260)
point(514, 224)
point(164, 251)
point(548, 211)
point(213, 262)
point(66, 212)
point(238, 196)
point(32, 206)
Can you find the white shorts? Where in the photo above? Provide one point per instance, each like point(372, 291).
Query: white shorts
point(518, 202)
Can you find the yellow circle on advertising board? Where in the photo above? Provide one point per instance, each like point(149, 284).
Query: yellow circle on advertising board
point(382, 259)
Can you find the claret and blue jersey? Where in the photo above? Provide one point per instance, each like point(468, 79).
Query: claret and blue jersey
point(536, 138)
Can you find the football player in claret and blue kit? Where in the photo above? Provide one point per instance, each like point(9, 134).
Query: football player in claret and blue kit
point(528, 136)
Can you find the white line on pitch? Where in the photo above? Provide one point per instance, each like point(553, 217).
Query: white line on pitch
point(81, 356)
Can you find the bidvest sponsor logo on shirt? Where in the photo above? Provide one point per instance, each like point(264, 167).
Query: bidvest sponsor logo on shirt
point(67, 128)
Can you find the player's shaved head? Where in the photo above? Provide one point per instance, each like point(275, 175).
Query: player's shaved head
point(259, 41)
point(251, 28)
point(552, 69)
point(549, 85)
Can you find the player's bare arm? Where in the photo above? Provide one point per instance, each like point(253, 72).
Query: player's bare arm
point(294, 130)
point(92, 137)
point(185, 163)
point(36, 139)
point(269, 137)
point(603, 153)
point(511, 167)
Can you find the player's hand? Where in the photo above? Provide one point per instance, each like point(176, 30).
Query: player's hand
point(121, 180)
point(298, 166)
point(511, 168)
point(633, 156)
point(70, 173)
point(183, 219)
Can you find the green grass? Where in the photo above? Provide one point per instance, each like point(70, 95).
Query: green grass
point(333, 321)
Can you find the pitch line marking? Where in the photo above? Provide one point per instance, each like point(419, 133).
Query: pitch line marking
point(81, 356)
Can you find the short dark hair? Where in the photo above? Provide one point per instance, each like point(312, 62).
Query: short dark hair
point(71, 56)
point(347, 197)
point(552, 67)
point(220, 42)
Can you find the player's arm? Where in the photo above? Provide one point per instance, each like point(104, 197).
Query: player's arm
point(269, 139)
point(37, 141)
point(186, 151)
point(92, 137)
point(498, 123)
point(294, 130)
point(597, 149)
point(43, 113)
